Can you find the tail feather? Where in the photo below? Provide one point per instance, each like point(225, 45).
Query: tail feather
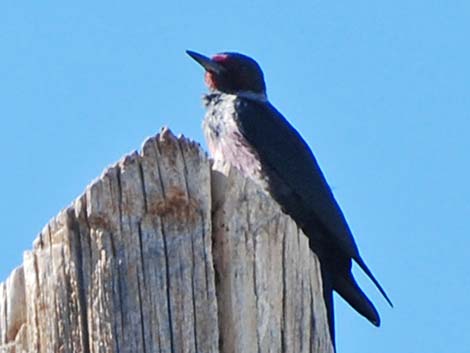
point(368, 272)
point(348, 289)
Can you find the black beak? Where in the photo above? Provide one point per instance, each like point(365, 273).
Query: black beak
point(207, 63)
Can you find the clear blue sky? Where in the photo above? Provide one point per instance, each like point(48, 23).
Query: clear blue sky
point(380, 90)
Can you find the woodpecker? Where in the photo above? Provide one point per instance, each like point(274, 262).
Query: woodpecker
point(243, 128)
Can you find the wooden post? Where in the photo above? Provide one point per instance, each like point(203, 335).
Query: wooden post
point(165, 253)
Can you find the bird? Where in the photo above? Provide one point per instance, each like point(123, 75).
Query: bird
point(244, 129)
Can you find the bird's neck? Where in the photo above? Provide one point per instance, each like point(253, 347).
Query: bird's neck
point(260, 97)
point(216, 96)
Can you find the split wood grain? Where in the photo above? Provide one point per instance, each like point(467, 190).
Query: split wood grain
point(162, 253)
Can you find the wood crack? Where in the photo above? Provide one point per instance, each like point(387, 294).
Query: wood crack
point(161, 254)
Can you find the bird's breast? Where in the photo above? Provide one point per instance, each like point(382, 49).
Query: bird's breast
point(225, 141)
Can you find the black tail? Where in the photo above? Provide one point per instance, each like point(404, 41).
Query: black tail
point(368, 272)
point(348, 289)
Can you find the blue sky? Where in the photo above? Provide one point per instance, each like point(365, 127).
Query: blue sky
point(380, 90)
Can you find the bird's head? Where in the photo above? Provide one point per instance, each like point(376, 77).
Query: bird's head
point(231, 73)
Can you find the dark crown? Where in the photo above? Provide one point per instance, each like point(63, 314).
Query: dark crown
point(241, 73)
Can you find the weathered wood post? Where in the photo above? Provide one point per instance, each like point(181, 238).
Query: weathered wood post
point(166, 253)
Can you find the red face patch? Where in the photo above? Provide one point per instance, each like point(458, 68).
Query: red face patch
point(210, 80)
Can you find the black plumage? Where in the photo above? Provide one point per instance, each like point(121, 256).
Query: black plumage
point(244, 129)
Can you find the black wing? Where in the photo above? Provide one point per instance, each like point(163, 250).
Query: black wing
point(282, 150)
